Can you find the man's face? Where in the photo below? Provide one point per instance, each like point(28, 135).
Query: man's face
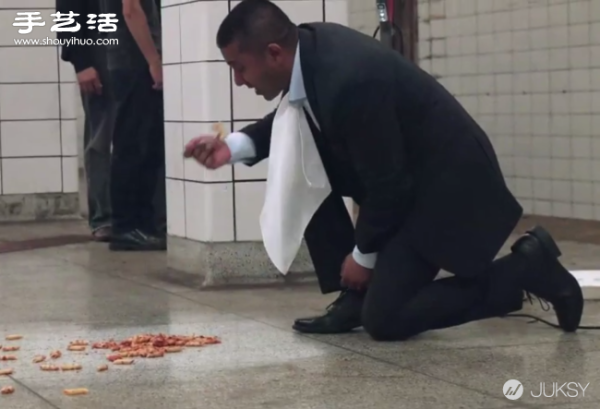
point(264, 71)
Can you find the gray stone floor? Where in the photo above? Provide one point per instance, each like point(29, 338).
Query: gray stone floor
point(55, 295)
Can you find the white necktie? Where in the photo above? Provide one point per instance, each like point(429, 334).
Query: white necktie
point(297, 184)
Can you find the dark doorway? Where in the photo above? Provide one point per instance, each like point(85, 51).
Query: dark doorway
point(405, 15)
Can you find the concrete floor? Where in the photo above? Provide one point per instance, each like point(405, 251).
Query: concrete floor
point(55, 295)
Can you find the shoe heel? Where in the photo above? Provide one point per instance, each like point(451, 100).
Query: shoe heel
point(546, 240)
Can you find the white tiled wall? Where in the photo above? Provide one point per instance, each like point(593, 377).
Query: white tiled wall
point(222, 205)
point(362, 16)
point(529, 72)
point(38, 97)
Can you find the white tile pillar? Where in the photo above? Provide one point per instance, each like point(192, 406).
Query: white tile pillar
point(38, 95)
point(213, 215)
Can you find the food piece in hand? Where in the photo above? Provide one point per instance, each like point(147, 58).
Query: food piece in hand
point(38, 358)
point(8, 358)
point(76, 391)
point(124, 361)
point(219, 130)
point(11, 348)
point(103, 368)
point(7, 390)
point(14, 337)
point(49, 368)
point(6, 371)
point(55, 354)
point(71, 367)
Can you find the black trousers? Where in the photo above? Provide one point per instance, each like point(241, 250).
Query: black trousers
point(138, 157)
point(403, 299)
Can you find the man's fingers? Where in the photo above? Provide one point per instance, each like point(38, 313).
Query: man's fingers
point(85, 87)
point(203, 152)
point(97, 85)
point(191, 147)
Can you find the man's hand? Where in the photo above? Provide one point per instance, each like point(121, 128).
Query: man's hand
point(208, 151)
point(355, 276)
point(89, 81)
point(157, 75)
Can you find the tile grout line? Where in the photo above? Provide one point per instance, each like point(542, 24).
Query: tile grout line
point(33, 392)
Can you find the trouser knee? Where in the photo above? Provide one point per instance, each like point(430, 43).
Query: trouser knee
point(386, 326)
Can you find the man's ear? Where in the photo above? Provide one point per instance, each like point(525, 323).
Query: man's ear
point(274, 51)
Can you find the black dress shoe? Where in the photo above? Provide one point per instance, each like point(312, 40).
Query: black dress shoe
point(343, 315)
point(547, 279)
point(136, 240)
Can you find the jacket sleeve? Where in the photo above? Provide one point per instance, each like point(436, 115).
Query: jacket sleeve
point(78, 55)
point(260, 133)
point(365, 119)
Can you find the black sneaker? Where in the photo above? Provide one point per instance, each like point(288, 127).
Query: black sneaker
point(548, 280)
point(136, 240)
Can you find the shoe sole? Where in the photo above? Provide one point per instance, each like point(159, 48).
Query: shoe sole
point(574, 302)
point(127, 247)
point(307, 330)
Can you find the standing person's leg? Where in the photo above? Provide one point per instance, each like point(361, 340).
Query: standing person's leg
point(403, 300)
point(152, 199)
point(136, 151)
point(99, 125)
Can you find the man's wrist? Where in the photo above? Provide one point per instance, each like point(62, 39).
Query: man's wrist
point(364, 260)
point(156, 60)
point(240, 147)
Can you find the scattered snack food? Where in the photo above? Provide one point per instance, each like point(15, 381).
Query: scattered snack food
point(152, 345)
point(79, 342)
point(76, 391)
point(55, 354)
point(14, 337)
point(8, 358)
point(7, 390)
point(71, 367)
point(103, 368)
point(38, 358)
point(49, 368)
point(124, 361)
point(6, 371)
point(11, 348)
point(76, 348)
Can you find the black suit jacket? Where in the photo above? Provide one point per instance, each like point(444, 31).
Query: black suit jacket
point(404, 148)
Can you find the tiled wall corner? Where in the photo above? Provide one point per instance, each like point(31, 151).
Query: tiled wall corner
point(529, 73)
point(38, 145)
point(222, 205)
point(197, 91)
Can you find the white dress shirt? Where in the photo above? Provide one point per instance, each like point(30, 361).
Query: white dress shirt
point(242, 147)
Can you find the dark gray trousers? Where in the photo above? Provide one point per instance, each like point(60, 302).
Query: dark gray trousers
point(100, 111)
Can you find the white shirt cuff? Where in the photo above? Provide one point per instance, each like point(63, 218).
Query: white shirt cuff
point(241, 147)
point(365, 260)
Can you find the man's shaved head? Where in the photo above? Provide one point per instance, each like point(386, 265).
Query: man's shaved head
point(254, 24)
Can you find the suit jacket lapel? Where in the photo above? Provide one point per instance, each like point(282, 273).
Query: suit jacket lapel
point(308, 62)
